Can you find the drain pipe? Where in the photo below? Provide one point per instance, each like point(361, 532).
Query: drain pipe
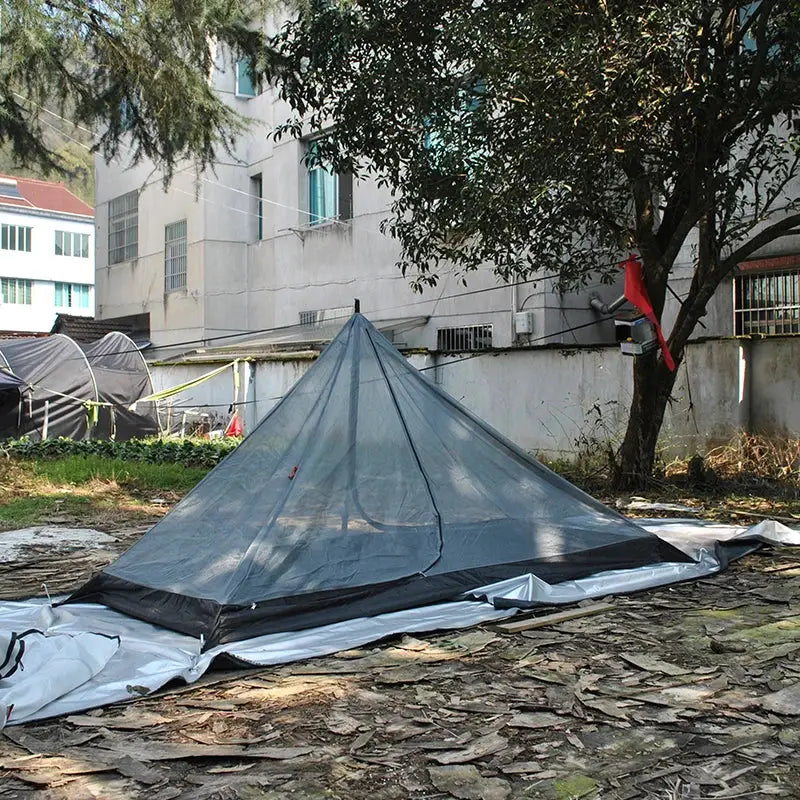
point(514, 305)
point(596, 302)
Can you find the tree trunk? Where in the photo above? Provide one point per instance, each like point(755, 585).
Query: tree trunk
point(652, 386)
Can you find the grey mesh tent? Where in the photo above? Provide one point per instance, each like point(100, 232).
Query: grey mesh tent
point(76, 391)
point(365, 490)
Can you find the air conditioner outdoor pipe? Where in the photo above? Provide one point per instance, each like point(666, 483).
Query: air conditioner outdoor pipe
point(597, 303)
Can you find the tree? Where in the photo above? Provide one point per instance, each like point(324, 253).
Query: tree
point(562, 134)
point(137, 71)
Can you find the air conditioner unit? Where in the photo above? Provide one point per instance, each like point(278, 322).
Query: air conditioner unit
point(524, 322)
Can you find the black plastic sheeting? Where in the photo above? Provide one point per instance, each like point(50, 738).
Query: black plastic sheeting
point(366, 489)
point(9, 382)
point(63, 382)
point(121, 376)
point(57, 365)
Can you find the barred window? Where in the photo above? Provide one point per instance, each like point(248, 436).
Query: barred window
point(123, 228)
point(466, 337)
point(175, 256)
point(320, 315)
point(15, 291)
point(767, 303)
point(15, 237)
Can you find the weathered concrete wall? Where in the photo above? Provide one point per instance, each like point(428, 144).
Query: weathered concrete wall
point(774, 365)
point(558, 401)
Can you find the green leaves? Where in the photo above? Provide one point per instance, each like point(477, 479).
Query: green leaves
point(601, 126)
point(188, 452)
point(139, 73)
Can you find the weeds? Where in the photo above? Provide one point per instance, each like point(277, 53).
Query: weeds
point(137, 475)
point(188, 452)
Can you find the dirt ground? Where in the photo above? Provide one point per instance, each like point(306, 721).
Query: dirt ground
point(691, 691)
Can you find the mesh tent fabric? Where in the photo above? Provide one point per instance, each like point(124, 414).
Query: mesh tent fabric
point(366, 489)
point(60, 384)
point(122, 377)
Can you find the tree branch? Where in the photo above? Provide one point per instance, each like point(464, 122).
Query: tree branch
point(762, 238)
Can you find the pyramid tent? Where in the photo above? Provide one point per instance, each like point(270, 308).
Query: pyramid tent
point(365, 490)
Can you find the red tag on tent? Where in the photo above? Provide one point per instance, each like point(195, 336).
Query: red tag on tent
point(234, 426)
point(636, 292)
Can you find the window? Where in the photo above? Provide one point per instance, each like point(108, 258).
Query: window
point(330, 194)
point(72, 295)
point(123, 228)
point(16, 291)
point(72, 244)
point(257, 205)
point(308, 317)
point(325, 315)
point(467, 337)
point(767, 303)
point(15, 237)
point(746, 14)
point(175, 256)
point(245, 85)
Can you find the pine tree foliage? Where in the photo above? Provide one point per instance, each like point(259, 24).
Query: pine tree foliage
point(136, 72)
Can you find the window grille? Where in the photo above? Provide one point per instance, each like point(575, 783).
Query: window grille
point(308, 317)
point(15, 291)
point(175, 256)
point(72, 244)
point(15, 237)
point(123, 228)
point(466, 337)
point(325, 315)
point(767, 303)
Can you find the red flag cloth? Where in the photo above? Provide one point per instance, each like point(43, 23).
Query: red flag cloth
point(234, 426)
point(636, 292)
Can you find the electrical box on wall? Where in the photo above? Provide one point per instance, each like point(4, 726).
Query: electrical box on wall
point(635, 333)
point(524, 322)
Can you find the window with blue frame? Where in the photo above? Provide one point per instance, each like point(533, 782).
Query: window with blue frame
point(746, 14)
point(245, 85)
point(72, 295)
point(323, 189)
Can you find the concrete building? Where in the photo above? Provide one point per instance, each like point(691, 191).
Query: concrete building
point(46, 255)
point(266, 243)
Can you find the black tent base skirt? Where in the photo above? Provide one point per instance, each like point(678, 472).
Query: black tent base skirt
point(219, 623)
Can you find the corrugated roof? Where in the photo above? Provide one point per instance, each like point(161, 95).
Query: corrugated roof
point(43, 195)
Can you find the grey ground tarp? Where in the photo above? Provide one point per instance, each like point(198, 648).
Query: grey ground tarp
point(366, 490)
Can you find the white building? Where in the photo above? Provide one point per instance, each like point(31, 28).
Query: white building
point(46, 255)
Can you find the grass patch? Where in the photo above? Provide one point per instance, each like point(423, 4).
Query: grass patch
point(137, 475)
point(25, 511)
point(93, 491)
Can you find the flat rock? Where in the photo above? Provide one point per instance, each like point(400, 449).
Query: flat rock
point(465, 782)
